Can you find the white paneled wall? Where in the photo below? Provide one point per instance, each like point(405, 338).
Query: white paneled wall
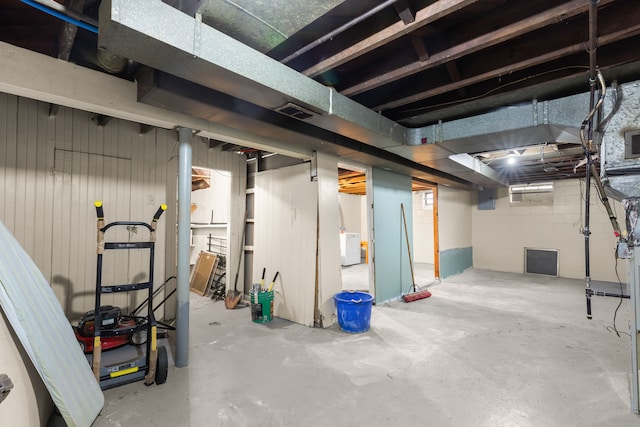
point(51, 171)
point(286, 226)
point(454, 218)
point(423, 231)
point(500, 235)
point(350, 212)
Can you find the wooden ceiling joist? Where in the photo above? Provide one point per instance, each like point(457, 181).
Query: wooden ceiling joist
point(509, 69)
point(424, 16)
point(484, 41)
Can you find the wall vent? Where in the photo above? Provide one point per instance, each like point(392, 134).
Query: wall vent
point(541, 261)
point(293, 110)
point(632, 144)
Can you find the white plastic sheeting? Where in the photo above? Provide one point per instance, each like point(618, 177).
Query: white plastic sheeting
point(39, 322)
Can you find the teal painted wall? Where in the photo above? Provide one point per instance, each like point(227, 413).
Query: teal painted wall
point(392, 270)
point(454, 261)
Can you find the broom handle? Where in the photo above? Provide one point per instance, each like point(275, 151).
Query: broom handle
point(406, 235)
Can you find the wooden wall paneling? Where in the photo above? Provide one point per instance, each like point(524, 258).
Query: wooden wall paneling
point(79, 211)
point(110, 200)
point(94, 177)
point(79, 230)
point(46, 146)
point(19, 227)
point(60, 239)
point(76, 215)
point(9, 116)
point(51, 171)
point(139, 211)
point(29, 207)
point(4, 101)
point(286, 219)
point(145, 199)
point(122, 181)
point(329, 274)
point(156, 150)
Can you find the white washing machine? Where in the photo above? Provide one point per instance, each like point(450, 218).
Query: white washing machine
point(350, 248)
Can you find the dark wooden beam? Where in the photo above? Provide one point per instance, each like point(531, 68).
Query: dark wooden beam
point(424, 17)
point(550, 16)
point(68, 31)
point(145, 129)
point(405, 11)
point(454, 75)
point(53, 110)
point(531, 62)
point(420, 48)
point(103, 120)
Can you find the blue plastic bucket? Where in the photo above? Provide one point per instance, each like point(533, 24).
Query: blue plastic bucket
point(354, 311)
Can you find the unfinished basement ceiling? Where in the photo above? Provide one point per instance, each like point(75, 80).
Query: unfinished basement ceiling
point(355, 182)
point(415, 63)
point(263, 25)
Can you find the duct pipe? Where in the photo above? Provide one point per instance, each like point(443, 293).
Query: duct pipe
point(63, 13)
point(337, 31)
point(184, 228)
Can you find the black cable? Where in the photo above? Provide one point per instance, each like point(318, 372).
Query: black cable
point(615, 313)
point(489, 92)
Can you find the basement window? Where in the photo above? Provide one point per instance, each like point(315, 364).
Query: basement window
point(427, 200)
point(538, 194)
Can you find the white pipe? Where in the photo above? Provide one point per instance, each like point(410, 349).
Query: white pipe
point(62, 9)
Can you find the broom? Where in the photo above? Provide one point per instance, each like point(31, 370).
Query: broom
point(415, 295)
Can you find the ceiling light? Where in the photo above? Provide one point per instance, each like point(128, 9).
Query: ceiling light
point(511, 161)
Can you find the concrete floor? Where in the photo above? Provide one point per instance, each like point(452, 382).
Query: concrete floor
point(487, 349)
point(356, 277)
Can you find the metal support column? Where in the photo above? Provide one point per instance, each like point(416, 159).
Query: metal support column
point(184, 228)
point(634, 283)
point(632, 209)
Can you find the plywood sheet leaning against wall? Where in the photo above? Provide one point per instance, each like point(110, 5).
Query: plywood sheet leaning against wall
point(39, 322)
point(285, 239)
point(205, 266)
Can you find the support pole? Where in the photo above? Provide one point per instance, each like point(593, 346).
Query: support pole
point(184, 227)
point(634, 290)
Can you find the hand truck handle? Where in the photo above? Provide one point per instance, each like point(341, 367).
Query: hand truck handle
point(99, 210)
point(159, 212)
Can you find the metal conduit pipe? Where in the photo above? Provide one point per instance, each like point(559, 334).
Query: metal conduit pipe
point(338, 30)
point(64, 14)
point(586, 144)
point(595, 76)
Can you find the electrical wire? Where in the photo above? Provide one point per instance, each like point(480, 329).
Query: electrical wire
point(473, 98)
point(613, 327)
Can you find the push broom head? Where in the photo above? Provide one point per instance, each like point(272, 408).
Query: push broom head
point(414, 296)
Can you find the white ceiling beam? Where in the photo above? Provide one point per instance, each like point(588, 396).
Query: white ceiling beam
point(32, 75)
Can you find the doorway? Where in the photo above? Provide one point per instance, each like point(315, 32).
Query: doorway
point(210, 212)
point(425, 233)
point(354, 229)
